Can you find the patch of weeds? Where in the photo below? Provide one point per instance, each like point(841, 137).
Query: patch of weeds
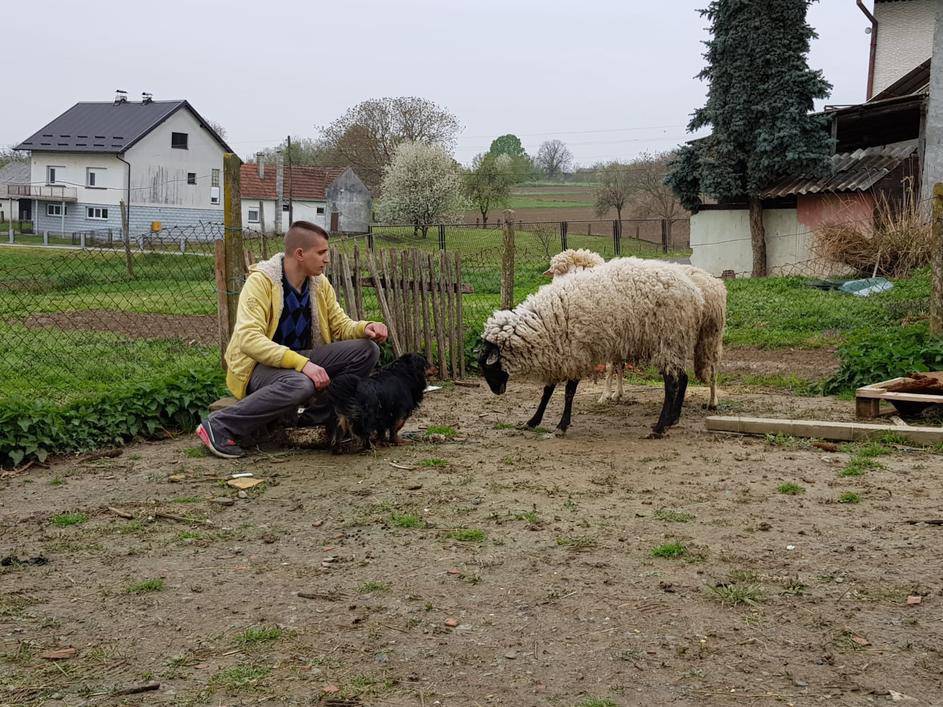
point(577, 543)
point(780, 440)
point(790, 489)
point(446, 431)
point(258, 635)
point(433, 463)
point(56, 481)
point(64, 520)
point(541, 431)
point(530, 516)
point(570, 505)
point(196, 452)
point(146, 586)
point(743, 576)
point(504, 426)
point(849, 497)
point(367, 685)
point(848, 641)
point(596, 702)
point(669, 550)
point(873, 449)
point(407, 520)
point(132, 527)
point(239, 677)
point(186, 499)
point(189, 535)
point(374, 587)
point(671, 516)
point(467, 535)
point(793, 586)
point(733, 594)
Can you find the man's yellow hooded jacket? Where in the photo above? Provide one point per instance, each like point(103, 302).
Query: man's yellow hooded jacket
point(260, 308)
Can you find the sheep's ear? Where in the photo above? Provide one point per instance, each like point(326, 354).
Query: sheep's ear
point(493, 357)
point(548, 273)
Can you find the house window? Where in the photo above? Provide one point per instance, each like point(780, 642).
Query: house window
point(214, 195)
point(178, 141)
point(191, 177)
point(93, 177)
point(320, 209)
point(253, 215)
point(96, 213)
point(51, 174)
point(55, 209)
point(215, 178)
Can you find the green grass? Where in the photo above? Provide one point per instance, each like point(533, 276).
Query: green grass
point(407, 520)
point(577, 543)
point(467, 535)
point(443, 430)
point(849, 497)
point(64, 520)
point(736, 594)
point(433, 463)
point(669, 550)
point(530, 516)
point(373, 587)
point(258, 635)
point(790, 489)
point(596, 702)
point(146, 586)
point(239, 677)
point(671, 516)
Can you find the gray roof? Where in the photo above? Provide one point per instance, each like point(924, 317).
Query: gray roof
point(106, 127)
point(851, 171)
point(14, 173)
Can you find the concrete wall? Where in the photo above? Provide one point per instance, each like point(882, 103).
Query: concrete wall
point(905, 38)
point(348, 196)
point(139, 222)
point(71, 170)
point(159, 172)
point(720, 240)
point(301, 211)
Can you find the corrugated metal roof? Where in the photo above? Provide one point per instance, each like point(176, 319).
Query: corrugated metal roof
point(14, 173)
point(105, 127)
point(851, 171)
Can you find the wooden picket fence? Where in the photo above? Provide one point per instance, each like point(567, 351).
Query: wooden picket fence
point(419, 295)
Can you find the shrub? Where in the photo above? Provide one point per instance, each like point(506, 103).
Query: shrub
point(34, 431)
point(872, 356)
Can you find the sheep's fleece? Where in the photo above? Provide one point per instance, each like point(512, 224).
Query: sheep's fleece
point(573, 260)
point(621, 309)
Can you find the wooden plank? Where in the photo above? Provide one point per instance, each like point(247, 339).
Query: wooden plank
point(222, 301)
point(384, 305)
point(406, 289)
point(385, 286)
point(424, 297)
point(435, 295)
point(349, 287)
point(820, 429)
point(450, 304)
point(460, 321)
point(395, 295)
point(866, 408)
point(444, 308)
point(912, 397)
point(358, 285)
point(232, 232)
point(414, 261)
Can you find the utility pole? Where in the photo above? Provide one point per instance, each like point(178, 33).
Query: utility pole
point(291, 207)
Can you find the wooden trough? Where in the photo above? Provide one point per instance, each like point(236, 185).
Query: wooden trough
point(821, 429)
point(910, 395)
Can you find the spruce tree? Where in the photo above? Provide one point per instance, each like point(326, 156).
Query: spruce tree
point(760, 97)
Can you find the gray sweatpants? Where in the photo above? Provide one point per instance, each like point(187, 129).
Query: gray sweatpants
point(275, 393)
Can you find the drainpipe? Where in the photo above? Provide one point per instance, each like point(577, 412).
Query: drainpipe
point(128, 234)
point(874, 46)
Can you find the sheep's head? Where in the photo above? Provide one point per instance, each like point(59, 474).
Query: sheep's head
point(489, 361)
point(573, 260)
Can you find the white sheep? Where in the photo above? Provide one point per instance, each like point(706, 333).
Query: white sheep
point(621, 309)
point(709, 348)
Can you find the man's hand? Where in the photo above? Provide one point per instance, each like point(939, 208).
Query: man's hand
point(318, 375)
point(376, 331)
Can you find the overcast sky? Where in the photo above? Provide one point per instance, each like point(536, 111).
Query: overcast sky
point(611, 78)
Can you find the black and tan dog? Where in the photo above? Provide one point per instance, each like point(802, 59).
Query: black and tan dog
point(376, 408)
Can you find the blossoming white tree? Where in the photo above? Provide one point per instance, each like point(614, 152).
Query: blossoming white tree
point(420, 186)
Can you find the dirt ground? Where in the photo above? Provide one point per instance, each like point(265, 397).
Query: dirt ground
point(482, 565)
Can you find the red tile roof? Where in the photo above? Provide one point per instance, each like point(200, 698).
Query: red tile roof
point(306, 183)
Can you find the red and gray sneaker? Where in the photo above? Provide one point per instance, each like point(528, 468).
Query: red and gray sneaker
point(222, 447)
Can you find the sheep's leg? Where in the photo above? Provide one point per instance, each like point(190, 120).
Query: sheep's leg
point(712, 403)
point(679, 397)
point(542, 408)
point(664, 420)
point(607, 389)
point(619, 369)
point(567, 406)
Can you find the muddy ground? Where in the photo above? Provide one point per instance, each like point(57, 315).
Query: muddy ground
point(486, 565)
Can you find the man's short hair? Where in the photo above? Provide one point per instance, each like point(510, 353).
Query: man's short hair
point(301, 235)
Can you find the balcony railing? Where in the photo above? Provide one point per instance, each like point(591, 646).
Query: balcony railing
point(40, 192)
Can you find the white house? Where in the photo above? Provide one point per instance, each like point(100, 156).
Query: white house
point(901, 38)
point(332, 197)
point(160, 157)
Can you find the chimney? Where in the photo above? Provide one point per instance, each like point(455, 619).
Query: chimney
point(120, 96)
point(146, 97)
point(279, 191)
point(260, 162)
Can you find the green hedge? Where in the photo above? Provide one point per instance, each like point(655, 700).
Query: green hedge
point(34, 431)
point(872, 356)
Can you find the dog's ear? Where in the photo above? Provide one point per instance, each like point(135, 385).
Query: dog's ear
point(493, 356)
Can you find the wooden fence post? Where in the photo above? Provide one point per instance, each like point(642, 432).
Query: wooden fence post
point(936, 298)
point(441, 236)
point(232, 236)
point(507, 262)
point(126, 237)
point(664, 235)
point(222, 302)
point(617, 236)
point(564, 227)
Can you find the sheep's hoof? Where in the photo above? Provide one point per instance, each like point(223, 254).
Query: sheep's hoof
point(656, 435)
point(559, 432)
point(525, 426)
point(603, 398)
point(710, 407)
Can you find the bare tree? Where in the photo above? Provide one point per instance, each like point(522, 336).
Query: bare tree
point(8, 154)
point(367, 135)
point(655, 199)
point(218, 128)
point(614, 186)
point(305, 151)
point(553, 158)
